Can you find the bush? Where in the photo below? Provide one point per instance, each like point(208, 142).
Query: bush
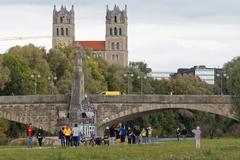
point(235, 130)
point(3, 141)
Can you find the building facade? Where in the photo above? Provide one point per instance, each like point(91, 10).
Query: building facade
point(160, 75)
point(113, 49)
point(63, 30)
point(209, 75)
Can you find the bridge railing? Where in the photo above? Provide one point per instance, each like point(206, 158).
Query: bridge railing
point(164, 99)
point(31, 99)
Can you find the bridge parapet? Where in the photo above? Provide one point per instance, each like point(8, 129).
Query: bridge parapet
point(163, 99)
point(31, 99)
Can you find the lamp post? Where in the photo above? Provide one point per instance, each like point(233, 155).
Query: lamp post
point(141, 77)
point(221, 75)
point(35, 77)
point(128, 75)
point(52, 79)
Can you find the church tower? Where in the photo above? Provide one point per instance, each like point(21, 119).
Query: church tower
point(63, 27)
point(116, 44)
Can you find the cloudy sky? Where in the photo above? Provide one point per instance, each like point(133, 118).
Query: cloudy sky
point(166, 34)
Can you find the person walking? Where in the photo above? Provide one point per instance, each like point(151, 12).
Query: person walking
point(30, 133)
point(211, 133)
point(197, 135)
point(149, 135)
point(40, 136)
point(106, 136)
point(184, 133)
point(67, 133)
point(112, 135)
point(144, 136)
point(122, 133)
point(178, 133)
point(137, 134)
point(61, 136)
point(129, 135)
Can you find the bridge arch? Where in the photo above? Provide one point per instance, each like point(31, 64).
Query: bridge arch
point(140, 109)
point(41, 111)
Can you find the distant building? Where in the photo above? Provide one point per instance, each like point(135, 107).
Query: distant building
point(160, 75)
point(113, 49)
point(205, 74)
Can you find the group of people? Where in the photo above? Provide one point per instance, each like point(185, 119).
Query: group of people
point(70, 136)
point(31, 132)
point(133, 135)
point(183, 133)
point(73, 136)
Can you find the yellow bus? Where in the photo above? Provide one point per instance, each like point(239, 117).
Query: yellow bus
point(111, 93)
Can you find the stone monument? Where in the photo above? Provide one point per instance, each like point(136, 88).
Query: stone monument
point(77, 93)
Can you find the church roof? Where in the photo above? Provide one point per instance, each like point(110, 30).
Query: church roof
point(94, 45)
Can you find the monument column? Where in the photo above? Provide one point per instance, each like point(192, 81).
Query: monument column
point(77, 93)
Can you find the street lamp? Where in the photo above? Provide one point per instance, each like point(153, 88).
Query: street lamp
point(52, 79)
point(141, 82)
point(221, 75)
point(128, 75)
point(35, 77)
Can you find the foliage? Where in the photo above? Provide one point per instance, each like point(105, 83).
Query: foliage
point(189, 84)
point(166, 122)
point(20, 76)
point(94, 76)
point(3, 128)
point(4, 76)
point(33, 57)
point(233, 82)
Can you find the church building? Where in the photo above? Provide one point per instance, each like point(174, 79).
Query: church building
point(113, 49)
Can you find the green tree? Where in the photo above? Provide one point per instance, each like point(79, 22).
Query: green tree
point(94, 76)
point(233, 83)
point(20, 82)
point(34, 57)
point(140, 79)
point(3, 128)
point(189, 84)
point(114, 78)
point(4, 74)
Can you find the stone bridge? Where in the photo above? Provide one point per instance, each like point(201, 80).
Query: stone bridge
point(50, 111)
point(39, 110)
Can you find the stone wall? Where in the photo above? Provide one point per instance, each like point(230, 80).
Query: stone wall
point(42, 111)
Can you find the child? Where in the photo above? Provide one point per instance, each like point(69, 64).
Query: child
point(197, 134)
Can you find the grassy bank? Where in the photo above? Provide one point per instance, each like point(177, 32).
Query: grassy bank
point(218, 149)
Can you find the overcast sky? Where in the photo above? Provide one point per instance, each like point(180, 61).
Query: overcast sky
point(166, 34)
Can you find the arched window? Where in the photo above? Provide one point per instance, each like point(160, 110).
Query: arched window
point(61, 19)
point(66, 31)
point(113, 46)
point(115, 31)
point(62, 31)
point(69, 21)
point(115, 19)
point(57, 32)
point(111, 32)
point(117, 45)
point(117, 57)
point(120, 31)
point(113, 57)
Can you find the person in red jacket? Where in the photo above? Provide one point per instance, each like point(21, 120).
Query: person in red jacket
point(30, 133)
